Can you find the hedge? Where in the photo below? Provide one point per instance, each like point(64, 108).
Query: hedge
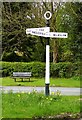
point(62, 69)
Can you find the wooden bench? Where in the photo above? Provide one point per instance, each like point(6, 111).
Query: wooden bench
point(21, 75)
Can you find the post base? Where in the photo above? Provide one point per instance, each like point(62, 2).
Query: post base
point(47, 92)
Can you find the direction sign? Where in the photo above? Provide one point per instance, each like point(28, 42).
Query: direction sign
point(56, 35)
point(37, 33)
point(42, 29)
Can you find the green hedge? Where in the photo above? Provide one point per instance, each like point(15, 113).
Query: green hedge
point(62, 69)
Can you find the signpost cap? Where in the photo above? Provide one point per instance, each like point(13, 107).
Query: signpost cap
point(49, 15)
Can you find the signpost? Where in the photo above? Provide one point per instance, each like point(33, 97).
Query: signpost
point(47, 16)
point(45, 32)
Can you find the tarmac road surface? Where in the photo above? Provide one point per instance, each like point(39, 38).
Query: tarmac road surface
point(62, 90)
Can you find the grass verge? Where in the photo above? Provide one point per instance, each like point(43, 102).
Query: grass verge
point(29, 105)
point(55, 82)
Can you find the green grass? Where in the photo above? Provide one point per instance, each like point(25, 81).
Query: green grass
point(57, 82)
point(28, 105)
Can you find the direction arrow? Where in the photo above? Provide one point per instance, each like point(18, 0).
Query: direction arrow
point(42, 29)
point(56, 35)
point(37, 33)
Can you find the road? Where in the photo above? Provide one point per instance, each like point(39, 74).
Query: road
point(63, 90)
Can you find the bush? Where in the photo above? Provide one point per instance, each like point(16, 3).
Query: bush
point(62, 69)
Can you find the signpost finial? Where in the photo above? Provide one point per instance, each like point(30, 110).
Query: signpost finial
point(47, 15)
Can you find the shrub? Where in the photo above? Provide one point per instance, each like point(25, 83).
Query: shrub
point(62, 69)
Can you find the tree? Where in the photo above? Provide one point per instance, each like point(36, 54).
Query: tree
point(55, 9)
point(71, 20)
point(15, 21)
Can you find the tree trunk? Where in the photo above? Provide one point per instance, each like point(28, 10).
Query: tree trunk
point(55, 41)
point(55, 51)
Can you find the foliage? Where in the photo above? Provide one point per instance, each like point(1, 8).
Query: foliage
point(38, 68)
point(14, 39)
point(69, 20)
point(37, 105)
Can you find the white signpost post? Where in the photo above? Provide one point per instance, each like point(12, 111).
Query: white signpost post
point(45, 32)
